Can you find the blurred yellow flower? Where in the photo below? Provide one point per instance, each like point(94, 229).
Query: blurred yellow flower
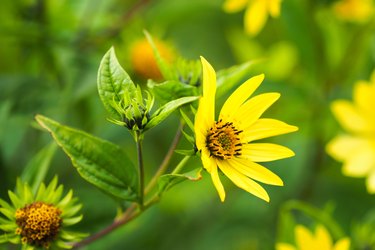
point(357, 148)
point(256, 13)
point(228, 142)
point(322, 240)
point(143, 58)
point(354, 10)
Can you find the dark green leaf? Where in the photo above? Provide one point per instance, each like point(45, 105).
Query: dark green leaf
point(167, 109)
point(112, 82)
point(100, 162)
point(169, 180)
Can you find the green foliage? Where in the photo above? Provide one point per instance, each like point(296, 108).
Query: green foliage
point(169, 180)
point(100, 162)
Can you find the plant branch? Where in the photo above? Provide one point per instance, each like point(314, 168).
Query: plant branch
point(163, 166)
point(140, 168)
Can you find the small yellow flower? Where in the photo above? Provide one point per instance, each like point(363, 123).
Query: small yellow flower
point(321, 240)
point(354, 10)
point(357, 148)
point(39, 220)
point(256, 13)
point(143, 58)
point(227, 143)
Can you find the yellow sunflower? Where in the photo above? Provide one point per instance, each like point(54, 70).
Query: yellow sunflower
point(322, 240)
point(256, 13)
point(357, 148)
point(227, 143)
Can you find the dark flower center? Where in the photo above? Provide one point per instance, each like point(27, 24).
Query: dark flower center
point(223, 140)
point(38, 224)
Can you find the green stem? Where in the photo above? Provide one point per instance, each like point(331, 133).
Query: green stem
point(180, 165)
point(140, 167)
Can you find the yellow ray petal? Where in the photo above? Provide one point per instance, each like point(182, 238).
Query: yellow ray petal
point(209, 89)
point(232, 6)
point(364, 98)
point(274, 7)
point(342, 244)
point(240, 95)
point(343, 146)
point(263, 152)
point(202, 124)
point(256, 16)
point(217, 183)
point(242, 181)
point(255, 171)
point(370, 182)
point(252, 109)
point(349, 118)
point(284, 246)
point(263, 128)
point(324, 240)
point(208, 162)
point(360, 163)
point(304, 238)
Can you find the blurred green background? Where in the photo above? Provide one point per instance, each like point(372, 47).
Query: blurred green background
point(49, 56)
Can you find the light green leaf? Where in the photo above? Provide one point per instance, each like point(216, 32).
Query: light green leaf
point(100, 162)
point(167, 181)
point(36, 170)
point(112, 82)
point(164, 68)
point(189, 152)
point(159, 115)
point(171, 90)
point(228, 78)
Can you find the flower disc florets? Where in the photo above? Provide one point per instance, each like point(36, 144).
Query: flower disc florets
point(39, 224)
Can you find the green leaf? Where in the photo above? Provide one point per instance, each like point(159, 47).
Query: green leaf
point(100, 162)
point(164, 68)
point(167, 181)
point(171, 90)
point(112, 82)
point(159, 115)
point(36, 170)
point(228, 78)
point(188, 152)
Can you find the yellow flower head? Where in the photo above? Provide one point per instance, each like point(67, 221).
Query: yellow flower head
point(143, 58)
point(321, 240)
point(354, 10)
point(256, 13)
point(227, 143)
point(357, 148)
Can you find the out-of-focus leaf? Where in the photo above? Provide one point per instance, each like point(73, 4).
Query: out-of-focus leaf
point(36, 170)
point(167, 109)
point(112, 82)
point(228, 78)
point(100, 162)
point(170, 90)
point(167, 181)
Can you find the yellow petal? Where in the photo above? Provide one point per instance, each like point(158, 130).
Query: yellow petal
point(370, 182)
point(360, 163)
point(239, 96)
point(242, 181)
point(274, 7)
point(252, 109)
point(323, 238)
point(348, 116)
point(284, 246)
point(208, 162)
point(343, 146)
point(255, 171)
point(255, 16)
point(263, 128)
point(342, 244)
point(209, 90)
point(263, 152)
point(304, 238)
point(217, 183)
point(234, 5)
point(202, 124)
point(364, 98)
